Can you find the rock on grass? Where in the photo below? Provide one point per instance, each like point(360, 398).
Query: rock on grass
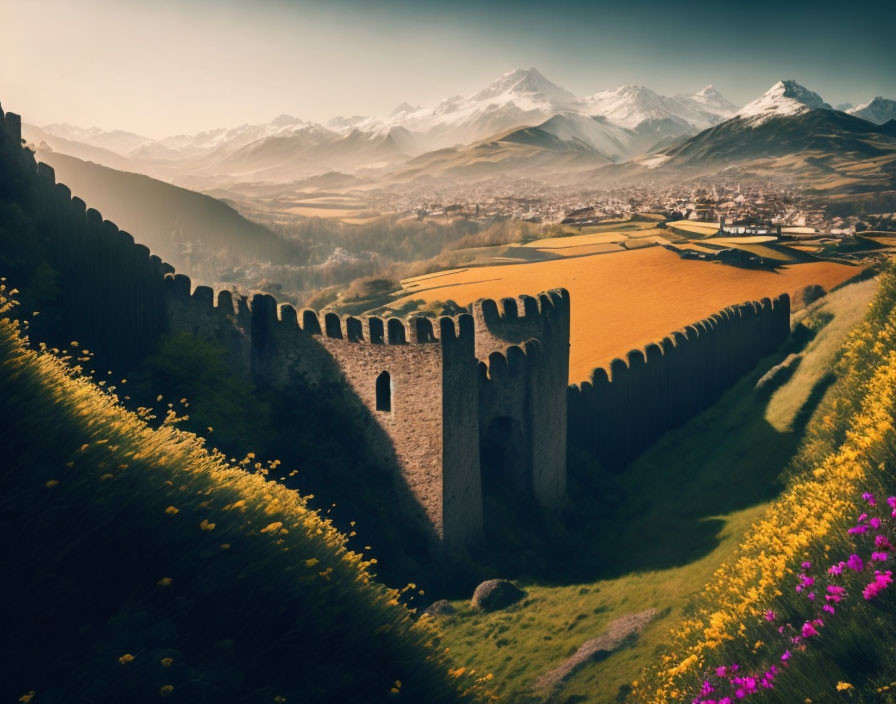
point(495, 594)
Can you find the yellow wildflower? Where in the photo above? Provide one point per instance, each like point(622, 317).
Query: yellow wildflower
point(126, 658)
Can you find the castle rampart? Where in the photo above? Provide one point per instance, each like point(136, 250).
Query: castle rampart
point(442, 401)
point(629, 405)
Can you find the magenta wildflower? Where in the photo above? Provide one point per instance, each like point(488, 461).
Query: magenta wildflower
point(808, 581)
point(807, 565)
point(808, 630)
point(892, 501)
point(855, 563)
point(721, 671)
point(707, 688)
point(874, 523)
point(745, 686)
point(835, 593)
point(862, 517)
point(878, 556)
point(836, 569)
point(811, 596)
point(880, 541)
point(881, 581)
point(769, 615)
point(856, 530)
point(869, 497)
point(785, 656)
point(827, 607)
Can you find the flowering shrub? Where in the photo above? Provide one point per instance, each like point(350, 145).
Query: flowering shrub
point(727, 683)
point(850, 450)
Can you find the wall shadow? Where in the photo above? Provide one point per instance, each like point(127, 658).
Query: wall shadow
point(664, 510)
point(91, 283)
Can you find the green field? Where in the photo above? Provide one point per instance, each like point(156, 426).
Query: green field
point(659, 531)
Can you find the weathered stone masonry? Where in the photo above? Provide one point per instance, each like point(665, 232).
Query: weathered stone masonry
point(431, 393)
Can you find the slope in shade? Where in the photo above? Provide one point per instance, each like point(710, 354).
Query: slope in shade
point(192, 231)
point(186, 577)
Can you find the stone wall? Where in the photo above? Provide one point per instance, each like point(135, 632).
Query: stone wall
point(119, 300)
point(524, 348)
point(628, 406)
point(456, 388)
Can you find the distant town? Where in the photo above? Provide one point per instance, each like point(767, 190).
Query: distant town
point(738, 205)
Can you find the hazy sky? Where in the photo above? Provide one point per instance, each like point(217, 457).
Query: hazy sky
point(168, 66)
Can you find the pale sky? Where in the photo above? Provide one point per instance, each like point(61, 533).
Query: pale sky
point(171, 66)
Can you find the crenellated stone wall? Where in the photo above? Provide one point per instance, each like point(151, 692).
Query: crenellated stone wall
point(628, 406)
point(434, 397)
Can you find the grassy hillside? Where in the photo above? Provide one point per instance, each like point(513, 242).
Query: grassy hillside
point(138, 566)
point(652, 536)
point(805, 597)
point(191, 231)
point(627, 299)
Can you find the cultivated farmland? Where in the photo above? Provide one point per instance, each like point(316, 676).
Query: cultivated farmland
point(625, 299)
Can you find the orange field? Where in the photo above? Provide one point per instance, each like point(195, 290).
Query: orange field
point(625, 300)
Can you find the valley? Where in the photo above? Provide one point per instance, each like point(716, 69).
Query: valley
point(514, 393)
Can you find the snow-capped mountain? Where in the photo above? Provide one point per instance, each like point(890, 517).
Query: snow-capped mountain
point(633, 106)
point(788, 120)
point(878, 111)
point(522, 97)
point(783, 98)
point(710, 102)
point(635, 120)
point(230, 139)
point(595, 133)
point(114, 140)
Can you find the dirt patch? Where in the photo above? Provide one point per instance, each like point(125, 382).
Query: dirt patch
point(621, 633)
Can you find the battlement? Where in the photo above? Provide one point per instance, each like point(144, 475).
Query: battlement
point(511, 362)
point(374, 330)
point(524, 310)
point(12, 123)
point(442, 402)
point(632, 400)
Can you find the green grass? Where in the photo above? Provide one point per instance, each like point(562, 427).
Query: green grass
point(849, 448)
point(656, 534)
point(137, 566)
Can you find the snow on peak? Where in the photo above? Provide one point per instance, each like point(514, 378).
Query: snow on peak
point(632, 105)
point(709, 98)
point(783, 98)
point(285, 120)
point(404, 109)
point(529, 84)
point(879, 110)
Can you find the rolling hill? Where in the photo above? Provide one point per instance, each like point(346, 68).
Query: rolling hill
point(192, 231)
point(187, 578)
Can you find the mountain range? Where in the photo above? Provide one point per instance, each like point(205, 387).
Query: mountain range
point(520, 124)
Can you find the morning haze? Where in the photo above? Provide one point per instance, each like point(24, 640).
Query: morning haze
point(447, 353)
point(171, 67)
